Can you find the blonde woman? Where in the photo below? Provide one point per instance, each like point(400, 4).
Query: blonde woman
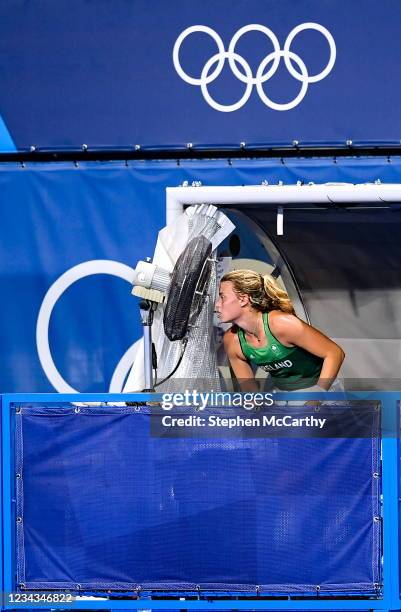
point(267, 333)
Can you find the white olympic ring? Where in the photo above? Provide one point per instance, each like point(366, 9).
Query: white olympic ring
point(247, 77)
point(180, 40)
point(207, 96)
point(88, 268)
point(304, 88)
point(276, 45)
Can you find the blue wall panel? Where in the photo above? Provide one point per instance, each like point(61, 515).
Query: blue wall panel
point(57, 216)
point(74, 72)
point(106, 504)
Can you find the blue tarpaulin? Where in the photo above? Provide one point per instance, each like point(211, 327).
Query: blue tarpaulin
point(260, 72)
point(55, 217)
point(106, 505)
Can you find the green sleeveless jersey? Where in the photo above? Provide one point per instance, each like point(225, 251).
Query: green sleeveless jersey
point(291, 367)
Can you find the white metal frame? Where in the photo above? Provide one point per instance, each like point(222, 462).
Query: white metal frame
point(279, 195)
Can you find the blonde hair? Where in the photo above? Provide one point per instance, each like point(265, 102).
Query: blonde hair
point(264, 292)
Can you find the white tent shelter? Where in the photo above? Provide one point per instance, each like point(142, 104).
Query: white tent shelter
point(339, 247)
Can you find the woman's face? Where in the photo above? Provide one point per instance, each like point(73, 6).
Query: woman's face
point(229, 306)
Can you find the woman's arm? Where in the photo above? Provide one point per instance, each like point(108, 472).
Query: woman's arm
point(291, 331)
point(241, 368)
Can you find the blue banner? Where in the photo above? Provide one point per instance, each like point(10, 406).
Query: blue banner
point(103, 504)
point(69, 236)
point(167, 74)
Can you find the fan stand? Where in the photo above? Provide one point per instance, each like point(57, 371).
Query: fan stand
point(147, 309)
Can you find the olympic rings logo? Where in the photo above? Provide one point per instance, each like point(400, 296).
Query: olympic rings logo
point(82, 270)
point(294, 64)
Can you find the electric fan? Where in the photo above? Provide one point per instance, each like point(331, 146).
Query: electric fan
point(186, 290)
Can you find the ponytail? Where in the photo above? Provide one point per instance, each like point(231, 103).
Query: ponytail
point(264, 292)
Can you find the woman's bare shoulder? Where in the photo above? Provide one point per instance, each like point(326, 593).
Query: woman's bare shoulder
point(232, 344)
point(283, 324)
point(231, 334)
point(230, 338)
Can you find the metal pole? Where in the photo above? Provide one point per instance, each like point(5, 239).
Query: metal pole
point(147, 309)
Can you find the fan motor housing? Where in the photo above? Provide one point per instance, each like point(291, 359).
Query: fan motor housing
point(189, 283)
point(151, 276)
